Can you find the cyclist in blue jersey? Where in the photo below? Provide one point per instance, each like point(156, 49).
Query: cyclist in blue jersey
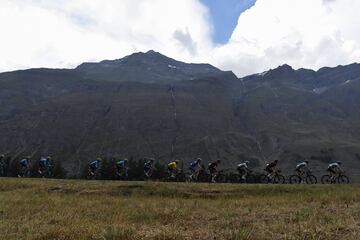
point(44, 166)
point(148, 167)
point(94, 167)
point(195, 167)
point(122, 169)
point(25, 165)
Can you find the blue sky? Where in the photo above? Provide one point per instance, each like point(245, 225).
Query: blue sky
point(225, 14)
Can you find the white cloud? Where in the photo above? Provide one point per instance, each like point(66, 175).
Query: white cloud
point(63, 33)
point(302, 33)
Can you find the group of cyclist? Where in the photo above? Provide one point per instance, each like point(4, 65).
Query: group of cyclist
point(196, 166)
point(44, 166)
point(25, 164)
point(302, 169)
point(121, 168)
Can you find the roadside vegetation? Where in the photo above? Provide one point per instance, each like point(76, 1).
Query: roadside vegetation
point(72, 209)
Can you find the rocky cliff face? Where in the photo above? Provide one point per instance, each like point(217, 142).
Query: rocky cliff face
point(147, 104)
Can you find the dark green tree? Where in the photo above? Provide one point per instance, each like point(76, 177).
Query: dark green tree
point(58, 171)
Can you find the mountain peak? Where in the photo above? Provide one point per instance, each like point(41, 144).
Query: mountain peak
point(148, 53)
point(284, 67)
point(150, 57)
point(150, 66)
point(282, 72)
point(152, 52)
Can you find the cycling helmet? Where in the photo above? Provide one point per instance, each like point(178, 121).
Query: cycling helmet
point(247, 162)
point(49, 157)
point(99, 159)
point(126, 160)
point(2, 156)
point(177, 161)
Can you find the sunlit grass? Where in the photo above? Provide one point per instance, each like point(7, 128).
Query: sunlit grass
point(60, 209)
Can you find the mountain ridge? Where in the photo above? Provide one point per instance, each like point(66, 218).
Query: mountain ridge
point(148, 67)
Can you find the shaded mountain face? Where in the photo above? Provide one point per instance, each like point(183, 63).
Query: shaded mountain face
point(147, 104)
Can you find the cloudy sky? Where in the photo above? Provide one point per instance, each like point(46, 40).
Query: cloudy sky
point(245, 36)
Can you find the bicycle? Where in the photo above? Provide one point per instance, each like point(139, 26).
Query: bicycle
point(249, 177)
point(190, 177)
point(340, 178)
point(148, 173)
point(203, 176)
point(220, 177)
point(277, 178)
point(122, 174)
point(195, 176)
point(24, 172)
point(45, 172)
point(308, 178)
point(93, 175)
point(179, 176)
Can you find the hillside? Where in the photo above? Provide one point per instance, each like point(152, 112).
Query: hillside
point(147, 104)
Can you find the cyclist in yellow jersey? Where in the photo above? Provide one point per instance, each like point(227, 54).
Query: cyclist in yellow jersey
point(173, 169)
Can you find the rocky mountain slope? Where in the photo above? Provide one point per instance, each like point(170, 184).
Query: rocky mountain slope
point(147, 104)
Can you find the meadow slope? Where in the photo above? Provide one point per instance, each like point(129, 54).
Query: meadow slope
point(72, 209)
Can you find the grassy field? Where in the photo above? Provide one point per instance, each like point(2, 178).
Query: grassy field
point(62, 209)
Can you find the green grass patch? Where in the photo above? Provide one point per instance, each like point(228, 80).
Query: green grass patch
point(73, 209)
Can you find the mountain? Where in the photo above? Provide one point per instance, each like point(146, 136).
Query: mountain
point(148, 67)
point(147, 104)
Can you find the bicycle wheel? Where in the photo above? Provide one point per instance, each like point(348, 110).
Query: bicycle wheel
point(342, 179)
point(28, 173)
point(188, 177)
point(221, 178)
point(264, 178)
point(170, 179)
point(234, 178)
point(295, 179)
point(181, 177)
point(326, 179)
point(311, 179)
point(279, 179)
point(203, 177)
point(250, 179)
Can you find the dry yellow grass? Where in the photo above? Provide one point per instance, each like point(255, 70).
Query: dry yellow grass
point(60, 209)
